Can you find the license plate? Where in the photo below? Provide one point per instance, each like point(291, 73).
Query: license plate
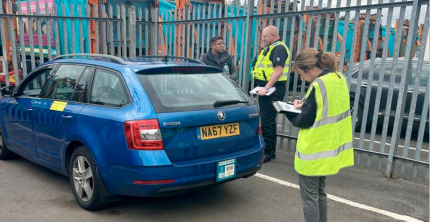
point(226, 170)
point(217, 131)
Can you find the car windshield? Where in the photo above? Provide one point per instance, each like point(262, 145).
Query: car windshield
point(175, 92)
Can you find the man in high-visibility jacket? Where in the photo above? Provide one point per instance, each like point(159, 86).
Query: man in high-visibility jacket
point(324, 144)
point(270, 69)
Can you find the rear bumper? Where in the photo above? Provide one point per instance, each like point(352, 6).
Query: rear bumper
point(167, 191)
point(186, 176)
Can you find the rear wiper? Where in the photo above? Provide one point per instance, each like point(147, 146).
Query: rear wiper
point(122, 103)
point(98, 102)
point(219, 103)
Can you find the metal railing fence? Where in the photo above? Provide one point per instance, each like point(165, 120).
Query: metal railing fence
point(380, 47)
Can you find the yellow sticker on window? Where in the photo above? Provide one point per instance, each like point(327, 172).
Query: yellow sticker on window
point(58, 106)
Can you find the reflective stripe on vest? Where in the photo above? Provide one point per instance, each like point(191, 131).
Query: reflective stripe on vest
point(332, 119)
point(263, 69)
point(326, 147)
point(324, 154)
point(324, 98)
point(325, 118)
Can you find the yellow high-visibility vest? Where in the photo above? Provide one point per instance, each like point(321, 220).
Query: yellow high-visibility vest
point(326, 147)
point(264, 68)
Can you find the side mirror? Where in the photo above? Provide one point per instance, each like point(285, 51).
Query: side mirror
point(7, 90)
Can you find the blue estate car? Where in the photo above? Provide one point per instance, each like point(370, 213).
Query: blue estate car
point(149, 126)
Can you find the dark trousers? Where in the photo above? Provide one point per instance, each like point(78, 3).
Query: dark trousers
point(268, 116)
point(314, 198)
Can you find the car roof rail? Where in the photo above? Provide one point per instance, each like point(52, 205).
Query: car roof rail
point(111, 57)
point(166, 58)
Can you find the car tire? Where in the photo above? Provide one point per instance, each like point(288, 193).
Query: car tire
point(5, 153)
point(84, 180)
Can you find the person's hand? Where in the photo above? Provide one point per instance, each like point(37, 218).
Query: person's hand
point(298, 104)
point(262, 92)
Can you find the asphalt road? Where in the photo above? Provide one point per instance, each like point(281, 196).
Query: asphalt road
point(32, 193)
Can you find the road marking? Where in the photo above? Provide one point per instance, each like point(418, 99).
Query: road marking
point(345, 201)
point(389, 144)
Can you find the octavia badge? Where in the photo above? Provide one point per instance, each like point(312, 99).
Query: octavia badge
point(221, 115)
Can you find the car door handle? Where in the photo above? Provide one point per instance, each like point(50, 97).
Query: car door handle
point(364, 85)
point(67, 117)
point(411, 91)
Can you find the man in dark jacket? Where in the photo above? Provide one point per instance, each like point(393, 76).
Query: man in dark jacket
point(218, 57)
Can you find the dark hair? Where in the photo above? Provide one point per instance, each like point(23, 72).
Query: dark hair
point(309, 58)
point(215, 38)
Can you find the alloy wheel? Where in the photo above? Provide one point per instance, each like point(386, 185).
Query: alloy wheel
point(83, 179)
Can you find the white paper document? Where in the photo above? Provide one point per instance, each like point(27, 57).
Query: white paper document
point(283, 107)
point(269, 92)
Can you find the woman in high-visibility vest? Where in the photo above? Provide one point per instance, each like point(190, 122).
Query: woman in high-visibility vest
point(324, 144)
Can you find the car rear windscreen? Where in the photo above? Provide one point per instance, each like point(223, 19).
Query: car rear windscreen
point(176, 92)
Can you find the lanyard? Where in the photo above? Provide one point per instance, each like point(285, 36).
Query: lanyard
point(264, 55)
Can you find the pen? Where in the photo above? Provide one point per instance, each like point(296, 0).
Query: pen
point(302, 101)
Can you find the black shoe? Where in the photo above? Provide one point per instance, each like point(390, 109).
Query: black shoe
point(267, 158)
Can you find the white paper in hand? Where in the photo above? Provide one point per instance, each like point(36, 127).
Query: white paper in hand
point(283, 107)
point(269, 92)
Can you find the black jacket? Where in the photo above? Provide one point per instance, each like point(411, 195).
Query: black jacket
point(309, 110)
point(209, 59)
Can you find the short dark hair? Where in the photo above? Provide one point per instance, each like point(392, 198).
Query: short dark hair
point(215, 38)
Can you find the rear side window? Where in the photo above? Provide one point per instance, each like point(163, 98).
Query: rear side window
point(108, 89)
point(175, 92)
point(398, 74)
point(81, 87)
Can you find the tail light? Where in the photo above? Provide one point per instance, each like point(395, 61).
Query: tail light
point(143, 135)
